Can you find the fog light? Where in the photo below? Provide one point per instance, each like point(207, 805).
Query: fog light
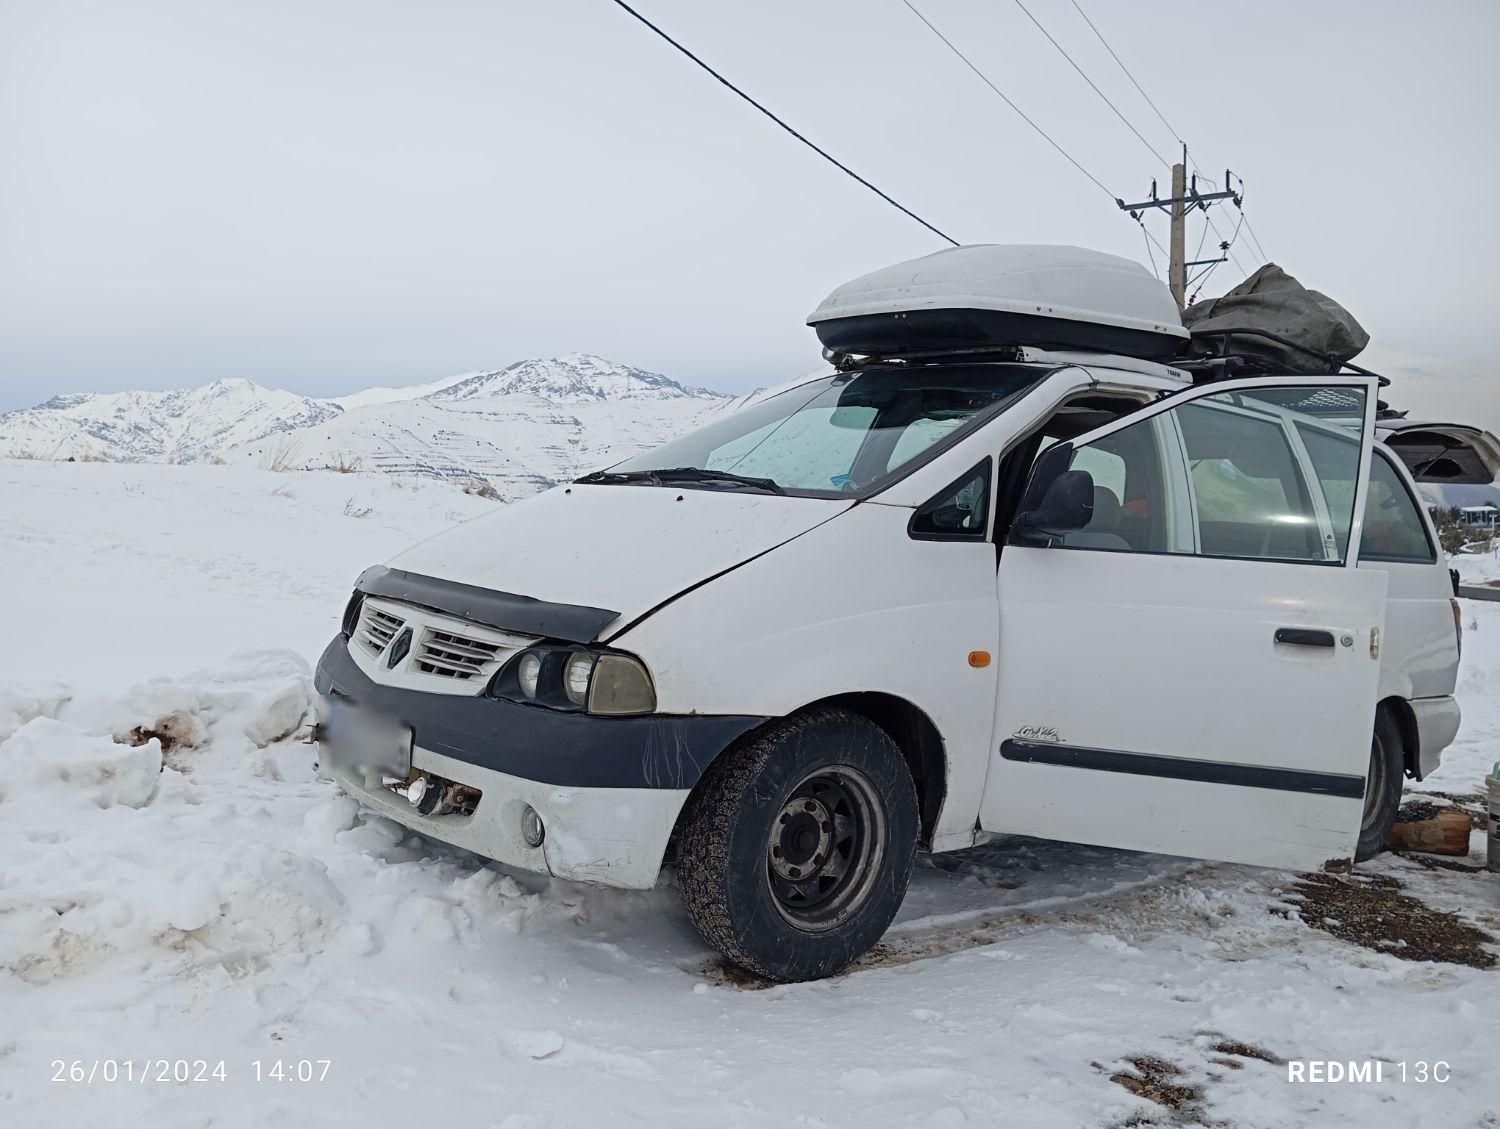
point(531, 827)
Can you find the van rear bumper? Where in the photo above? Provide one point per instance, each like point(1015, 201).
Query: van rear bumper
point(1437, 725)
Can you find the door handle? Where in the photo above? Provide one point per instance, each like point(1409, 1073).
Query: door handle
point(1304, 637)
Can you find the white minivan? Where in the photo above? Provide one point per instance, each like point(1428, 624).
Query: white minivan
point(915, 601)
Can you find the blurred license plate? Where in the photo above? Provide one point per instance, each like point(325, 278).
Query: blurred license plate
point(363, 738)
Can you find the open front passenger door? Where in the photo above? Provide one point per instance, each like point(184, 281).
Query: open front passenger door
point(1188, 657)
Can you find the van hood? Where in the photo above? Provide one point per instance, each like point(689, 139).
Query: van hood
point(617, 548)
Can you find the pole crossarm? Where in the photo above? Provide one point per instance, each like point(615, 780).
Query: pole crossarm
point(1191, 200)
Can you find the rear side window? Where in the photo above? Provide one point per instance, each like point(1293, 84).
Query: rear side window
point(1335, 458)
point(1394, 530)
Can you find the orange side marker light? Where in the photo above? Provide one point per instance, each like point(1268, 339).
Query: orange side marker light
point(979, 658)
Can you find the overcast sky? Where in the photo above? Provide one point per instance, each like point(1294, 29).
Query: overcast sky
point(326, 195)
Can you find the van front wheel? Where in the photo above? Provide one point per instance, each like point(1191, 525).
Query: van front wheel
point(795, 850)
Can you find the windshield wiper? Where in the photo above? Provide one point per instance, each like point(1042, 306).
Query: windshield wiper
point(611, 477)
point(683, 475)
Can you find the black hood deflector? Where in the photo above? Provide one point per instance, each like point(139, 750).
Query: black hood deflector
point(504, 611)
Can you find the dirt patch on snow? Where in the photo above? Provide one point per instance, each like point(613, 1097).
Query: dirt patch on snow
point(1162, 1082)
point(1373, 912)
point(1237, 1049)
point(178, 729)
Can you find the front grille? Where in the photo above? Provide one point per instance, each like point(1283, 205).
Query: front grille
point(401, 644)
point(376, 628)
point(455, 656)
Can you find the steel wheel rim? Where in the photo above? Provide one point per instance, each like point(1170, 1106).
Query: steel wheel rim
point(1374, 782)
point(825, 848)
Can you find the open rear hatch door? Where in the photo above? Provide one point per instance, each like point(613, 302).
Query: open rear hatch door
point(1445, 453)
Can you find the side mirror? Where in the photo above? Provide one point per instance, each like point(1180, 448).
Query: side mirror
point(1067, 506)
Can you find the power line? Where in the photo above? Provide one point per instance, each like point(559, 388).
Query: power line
point(1229, 250)
point(1250, 230)
point(1021, 113)
point(1202, 239)
point(1153, 239)
point(1150, 254)
point(1090, 81)
point(1172, 129)
point(1128, 75)
point(1146, 231)
point(830, 158)
point(1202, 279)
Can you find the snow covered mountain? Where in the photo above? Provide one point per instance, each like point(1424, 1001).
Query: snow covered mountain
point(184, 426)
point(520, 428)
point(575, 379)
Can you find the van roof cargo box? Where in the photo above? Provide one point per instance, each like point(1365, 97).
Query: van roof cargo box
point(989, 295)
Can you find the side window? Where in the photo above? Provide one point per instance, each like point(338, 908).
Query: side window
point(1250, 496)
point(1223, 476)
point(958, 512)
point(1394, 531)
point(1129, 491)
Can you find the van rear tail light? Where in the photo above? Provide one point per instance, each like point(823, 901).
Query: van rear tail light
point(1458, 625)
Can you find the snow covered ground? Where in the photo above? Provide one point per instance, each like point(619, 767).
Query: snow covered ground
point(233, 908)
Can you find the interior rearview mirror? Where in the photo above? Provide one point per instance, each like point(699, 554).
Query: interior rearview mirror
point(1067, 506)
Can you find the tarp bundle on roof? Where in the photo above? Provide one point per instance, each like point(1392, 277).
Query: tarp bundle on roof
point(1273, 301)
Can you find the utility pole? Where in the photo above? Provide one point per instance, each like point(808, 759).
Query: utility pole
point(1185, 199)
point(1176, 270)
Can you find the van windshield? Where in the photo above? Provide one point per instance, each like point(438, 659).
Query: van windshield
point(848, 433)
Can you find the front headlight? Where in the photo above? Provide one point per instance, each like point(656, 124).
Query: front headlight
point(528, 672)
point(569, 678)
point(576, 672)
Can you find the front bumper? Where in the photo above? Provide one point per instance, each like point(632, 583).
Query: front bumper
point(612, 836)
point(608, 790)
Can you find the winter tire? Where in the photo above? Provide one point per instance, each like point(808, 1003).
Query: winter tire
point(795, 849)
point(1382, 787)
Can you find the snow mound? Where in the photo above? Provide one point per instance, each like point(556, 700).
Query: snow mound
point(47, 762)
point(17, 707)
point(252, 699)
point(110, 834)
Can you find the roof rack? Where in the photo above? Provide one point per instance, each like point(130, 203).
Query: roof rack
point(1225, 365)
point(846, 361)
point(1221, 365)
